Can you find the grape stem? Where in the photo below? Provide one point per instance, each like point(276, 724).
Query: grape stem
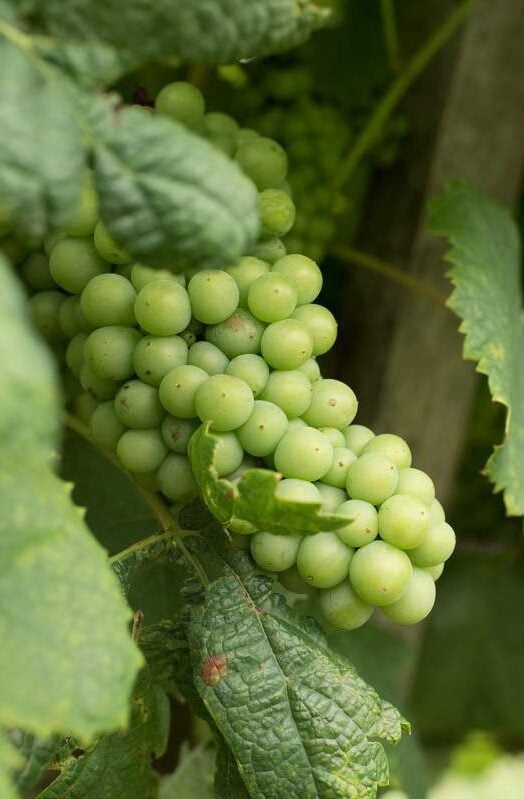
point(387, 270)
point(168, 525)
point(414, 67)
point(390, 31)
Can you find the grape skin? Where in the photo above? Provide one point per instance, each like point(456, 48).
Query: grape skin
point(403, 521)
point(109, 352)
point(416, 602)
point(141, 451)
point(393, 447)
point(321, 324)
point(342, 607)
point(178, 390)
point(177, 432)
point(330, 496)
point(250, 368)
point(155, 356)
point(275, 553)
point(286, 344)
point(290, 390)
point(303, 453)
point(416, 483)
point(333, 404)
point(303, 273)
point(208, 357)
point(337, 472)
point(372, 478)
point(214, 296)
point(362, 527)
point(74, 262)
point(240, 334)
point(225, 401)
point(245, 271)
point(357, 436)
point(379, 573)
point(137, 405)
point(105, 428)
point(162, 308)
point(261, 432)
point(271, 298)
point(437, 547)
point(297, 490)
point(108, 300)
point(175, 478)
point(323, 560)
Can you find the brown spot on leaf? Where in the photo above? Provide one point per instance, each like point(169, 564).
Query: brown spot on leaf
point(214, 668)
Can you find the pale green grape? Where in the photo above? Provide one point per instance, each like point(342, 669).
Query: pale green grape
point(417, 483)
point(436, 512)
point(342, 608)
point(183, 102)
point(207, 357)
point(177, 432)
point(275, 553)
point(297, 490)
point(100, 387)
point(35, 272)
point(277, 213)
point(75, 353)
point(362, 526)
point(137, 405)
point(311, 369)
point(219, 123)
point(272, 297)
point(109, 351)
point(244, 272)
point(175, 478)
point(108, 248)
point(331, 497)
point(291, 579)
point(155, 356)
point(290, 390)
point(333, 404)
point(162, 308)
point(214, 296)
point(141, 275)
point(246, 465)
point(261, 432)
point(86, 214)
point(303, 453)
point(84, 405)
point(105, 428)
point(336, 475)
point(437, 547)
point(357, 436)
point(286, 344)
point(321, 324)
point(263, 160)
point(416, 602)
point(323, 560)
point(74, 262)
point(294, 424)
point(44, 308)
point(435, 571)
point(238, 335)
point(393, 447)
point(225, 401)
point(334, 436)
point(228, 454)
point(303, 273)
point(372, 478)
point(403, 521)
point(178, 390)
point(269, 250)
point(380, 573)
point(108, 300)
point(72, 319)
point(252, 369)
point(141, 451)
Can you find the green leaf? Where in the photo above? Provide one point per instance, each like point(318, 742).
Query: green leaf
point(253, 499)
point(485, 254)
point(42, 157)
point(208, 31)
point(228, 782)
point(38, 754)
point(280, 696)
point(193, 778)
point(93, 64)
point(9, 760)
point(168, 195)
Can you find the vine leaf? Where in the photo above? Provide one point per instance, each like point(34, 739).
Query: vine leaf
point(193, 778)
point(279, 695)
point(37, 753)
point(253, 499)
point(9, 760)
point(485, 258)
point(228, 782)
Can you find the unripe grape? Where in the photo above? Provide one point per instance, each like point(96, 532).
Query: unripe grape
point(295, 424)
point(334, 436)
point(137, 405)
point(108, 248)
point(35, 272)
point(435, 571)
point(331, 497)
point(219, 123)
point(362, 526)
point(108, 300)
point(109, 351)
point(214, 296)
point(323, 560)
point(264, 161)
point(292, 580)
point(229, 459)
point(238, 335)
point(312, 370)
point(178, 390)
point(392, 447)
point(277, 213)
point(105, 428)
point(333, 404)
point(336, 475)
point(380, 573)
point(372, 478)
point(357, 436)
point(275, 553)
point(44, 308)
point(303, 273)
point(343, 608)
point(437, 547)
point(175, 478)
point(74, 262)
point(141, 275)
point(416, 602)
point(261, 432)
point(100, 387)
point(72, 319)
point(155, 356)
point(177, 432)
point(162, 308)
point(321, 324)
point(297, 490)
point(207, 357)
point(303, 453)
point(244, 272)
point(183, 102)
point(75, 353)
point(436, 512)
point(141, 451)
point(271, 297)
point(417, 483)
point(286, 344)
point(225, 401)
point(403, 521)
point(250, 368)
point(269, 250)
point(86, 214)
point(290, 390)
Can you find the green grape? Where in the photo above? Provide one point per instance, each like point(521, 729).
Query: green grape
point(246, 134)
point(137, 405)
point(403, 521)
point(105, 428)
point(416, 602)
point(275, 553)
point(178, 390)
point(321, 324)
point(272, 297)
point(297, 490)
point(290, 390)
point(295, 424)
point(35, 272)
point(208, 357)
point(303, 453)
point(177, 432)
point(175, 478)
point(155, 356)
point(330, 497)
point(435, 571)
point(72, 319)
point(393, 447)
point(44, 308)
point(247, 464)
point(303, 273)
point(333, 404)
point(225, 401)
point(342, 608)
point(291, 579)
point(416, 483)
point(336, 475)
point(214, 296)
point(109, 351)
point(228, 454)
point(357, 436)
point(100, 387)
point(50, 242)
point(73, 262)
point(162, 308)
point(13, 249)
point(263, 160)
point(312, 370)
point(84, 405)
point(269, 250)
point(252, 369)
point(379, 573)
point(238, 335)
point(277, 213)
point(219, 123)
point(437, 547)
point(286, 344)
point(372, 478)
point(436, 512)
point(264, 428)
point(142, 275)
point(86, 214)
point(362, 527)
point(141, 451)
point(108, 248)
point(323, 560)
point(183, 102)
point(108, 300)
point(244, 272)
point(334, 436)
point(75, 353)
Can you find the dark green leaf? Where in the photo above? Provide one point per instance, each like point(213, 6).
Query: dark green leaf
point(9, 760)
point(228, 782)
point(94, 64)
point(38, 754)
point(193, 778)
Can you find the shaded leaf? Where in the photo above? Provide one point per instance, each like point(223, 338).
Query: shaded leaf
point(37, 754)
point(228, 782)
point(9, 760)
point(93, 64)
point(193, 778)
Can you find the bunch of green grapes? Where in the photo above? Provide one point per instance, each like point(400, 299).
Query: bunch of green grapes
point(154, 355)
